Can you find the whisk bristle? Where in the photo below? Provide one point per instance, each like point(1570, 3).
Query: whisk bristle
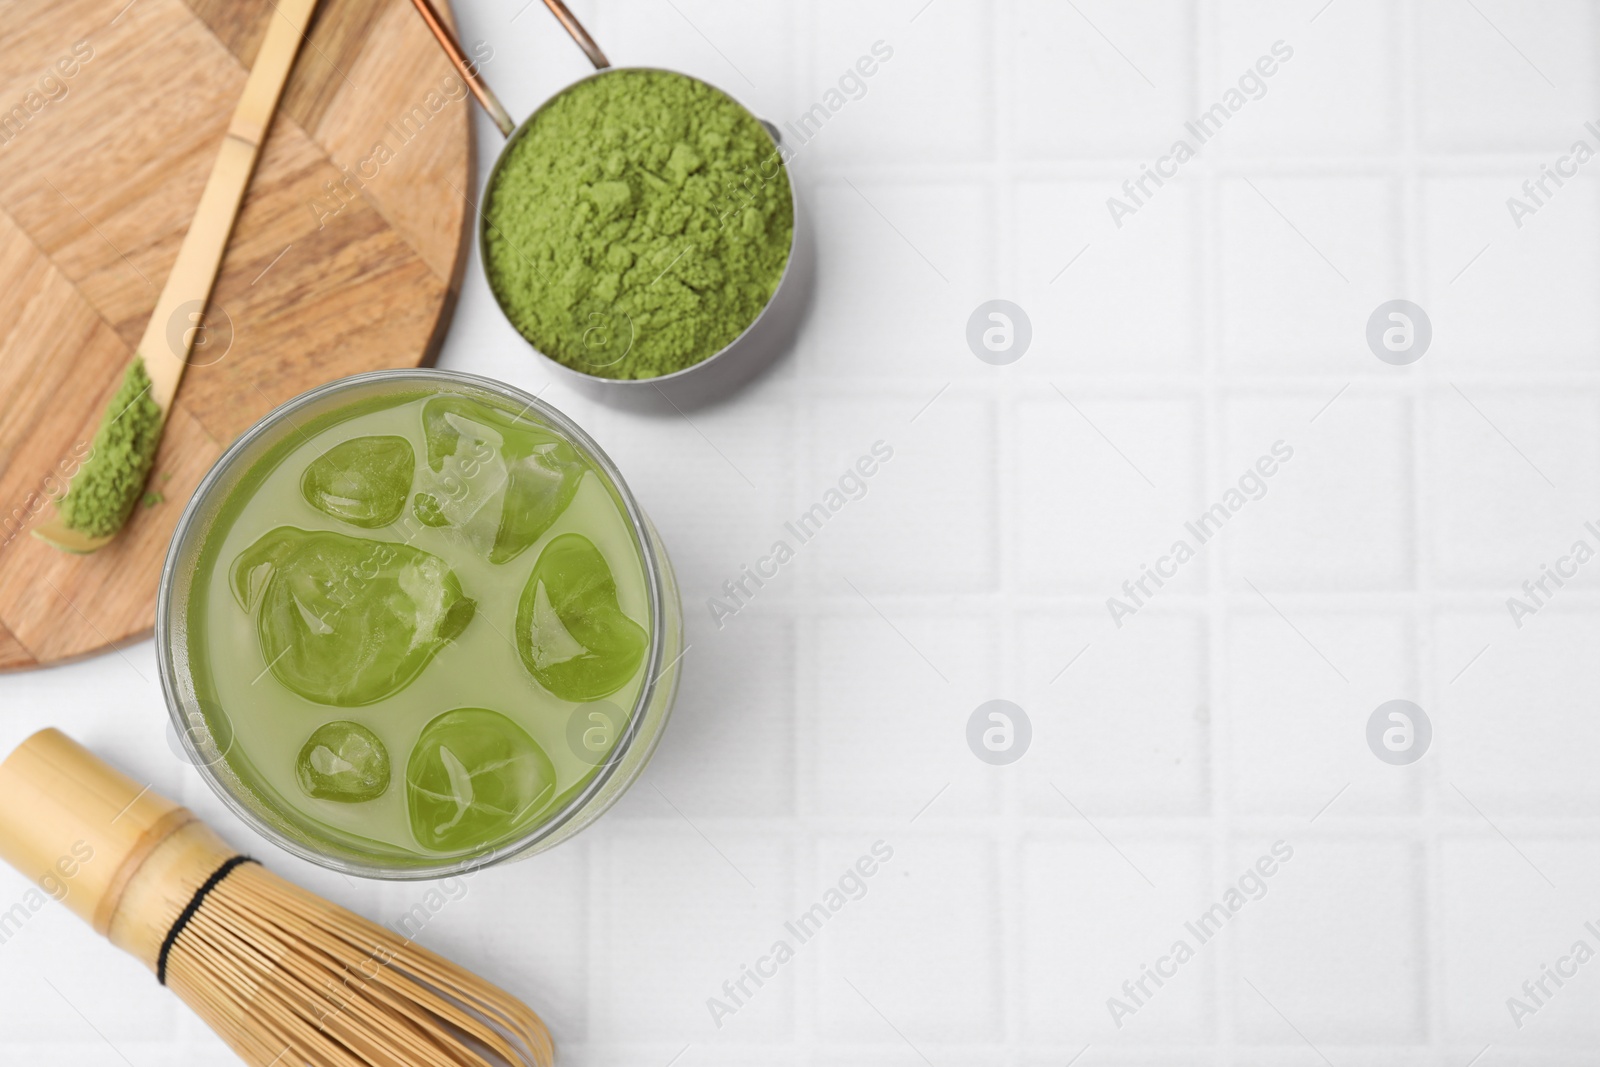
point(288, 978)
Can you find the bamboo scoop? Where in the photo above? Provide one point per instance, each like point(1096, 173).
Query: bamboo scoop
point(283, 976)
point(165, 355)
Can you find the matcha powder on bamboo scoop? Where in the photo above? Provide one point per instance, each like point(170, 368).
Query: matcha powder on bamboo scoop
point(638, 225)
point(110, 482)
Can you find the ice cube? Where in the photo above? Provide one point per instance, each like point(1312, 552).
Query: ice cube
point(345, 620)
point(572, 635)
point(473, 777)
point(499, 480)
point(343, 761)
point(363, 481)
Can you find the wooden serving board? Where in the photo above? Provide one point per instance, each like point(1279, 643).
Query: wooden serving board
point(100, 172)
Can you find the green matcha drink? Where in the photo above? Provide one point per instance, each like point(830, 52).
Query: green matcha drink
point(637, 224)
point(419, 624)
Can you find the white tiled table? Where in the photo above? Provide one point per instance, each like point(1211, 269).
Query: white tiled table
point(1169, 754)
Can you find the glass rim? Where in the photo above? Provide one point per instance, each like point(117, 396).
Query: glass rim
point(166, 611)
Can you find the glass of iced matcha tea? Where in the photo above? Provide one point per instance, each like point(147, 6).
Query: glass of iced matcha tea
point(413, 622)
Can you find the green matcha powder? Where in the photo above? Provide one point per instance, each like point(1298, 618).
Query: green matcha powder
point(110, 482)
point(638, 225)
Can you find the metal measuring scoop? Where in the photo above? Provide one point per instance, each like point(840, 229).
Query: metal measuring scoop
point(760, 341)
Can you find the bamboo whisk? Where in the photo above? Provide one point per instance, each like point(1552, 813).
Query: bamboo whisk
point(283, 976)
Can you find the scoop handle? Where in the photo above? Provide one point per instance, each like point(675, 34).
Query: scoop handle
point(469, 71)
point(575, 30)
point(169, 336)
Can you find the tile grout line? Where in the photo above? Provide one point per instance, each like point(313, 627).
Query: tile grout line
point(1211, 318)
point(803, 405)
point(1007, 830)
point(1428, 895)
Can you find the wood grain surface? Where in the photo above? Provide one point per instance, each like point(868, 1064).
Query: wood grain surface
point(346, 256)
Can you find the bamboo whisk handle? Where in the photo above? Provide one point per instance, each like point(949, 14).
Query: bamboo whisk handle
point(122, 857)
point(78, 828)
